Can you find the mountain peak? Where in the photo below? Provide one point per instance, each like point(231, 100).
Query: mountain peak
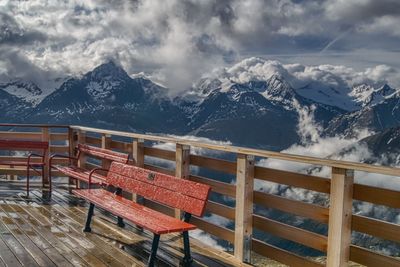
point(279, 88)
point(108, 70)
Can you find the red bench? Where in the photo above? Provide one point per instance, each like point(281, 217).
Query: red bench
point(188, 196)
point(27, 146)
point(82, 174)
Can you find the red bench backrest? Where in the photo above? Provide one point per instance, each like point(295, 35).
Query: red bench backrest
point(103, 153)
point(22, 145)
point(178, 193)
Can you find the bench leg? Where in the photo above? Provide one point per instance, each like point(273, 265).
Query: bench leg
point(120, 221)
point(50, 182)
point(89, 219)
point(153, 252)
point(187, 259)
point(27, 181)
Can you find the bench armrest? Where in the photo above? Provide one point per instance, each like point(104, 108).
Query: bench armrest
point(92, 172)
point(36, 155)
point(60, 156)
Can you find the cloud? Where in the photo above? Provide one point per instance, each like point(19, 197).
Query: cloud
point(339, 77)
point(177, 41)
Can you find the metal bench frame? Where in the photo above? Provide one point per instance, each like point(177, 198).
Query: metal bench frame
point(26, 145)
point(82, 149)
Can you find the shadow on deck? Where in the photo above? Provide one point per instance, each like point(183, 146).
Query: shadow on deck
point(47, 232)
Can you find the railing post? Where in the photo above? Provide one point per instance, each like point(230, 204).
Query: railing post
point(138, 160)
point(244, 207)
point(182, 166)
point(138, 152)
point(340, 213)
point(71, 151)
point(46, 138)
point(105, 143)
point(82, 158)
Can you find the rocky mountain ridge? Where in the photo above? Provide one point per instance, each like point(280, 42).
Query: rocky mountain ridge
point(253, 103)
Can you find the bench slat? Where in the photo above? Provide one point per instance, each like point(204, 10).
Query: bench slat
point(23, 145)
point(104, 153)
point(175, 192)
point(81, 174)
point(149, 219)
point(21, 163)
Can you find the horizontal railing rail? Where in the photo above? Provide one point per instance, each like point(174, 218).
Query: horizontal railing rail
point(249, 151)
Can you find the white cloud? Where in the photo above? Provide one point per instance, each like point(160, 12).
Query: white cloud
point(176, 41)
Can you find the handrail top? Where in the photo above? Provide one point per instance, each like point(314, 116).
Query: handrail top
point(33, 125)
point(251, 151)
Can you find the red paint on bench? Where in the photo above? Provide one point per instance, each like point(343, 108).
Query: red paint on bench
point(165, 189)
point(81, 173)
point(103, 153)
point(22, 145)
point(142, 216)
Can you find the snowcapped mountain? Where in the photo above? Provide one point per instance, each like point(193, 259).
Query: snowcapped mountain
point(367, 95)
point(12, 108)
point(249, 113)
point(377, 117)
point(108, 97)
point(331, 85)
point(255, 102)
point(29, 92)
point(244, 117)
point(385, 145)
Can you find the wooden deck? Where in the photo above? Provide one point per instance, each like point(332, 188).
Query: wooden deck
point(47, 232)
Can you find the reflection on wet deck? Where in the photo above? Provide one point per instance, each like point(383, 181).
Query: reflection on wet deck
point(47, 232)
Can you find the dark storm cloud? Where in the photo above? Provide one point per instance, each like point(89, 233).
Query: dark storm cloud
point(11, 33)
point(356, 11)
point(177, 41)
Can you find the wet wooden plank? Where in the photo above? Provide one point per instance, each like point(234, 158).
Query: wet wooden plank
point(2, 263)
point(62, 233)
point(9, 221)
point(18, 250)
point(40, 242)
point(46, 233)
point(7, 256)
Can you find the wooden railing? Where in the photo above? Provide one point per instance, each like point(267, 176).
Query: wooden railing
point(241, 208)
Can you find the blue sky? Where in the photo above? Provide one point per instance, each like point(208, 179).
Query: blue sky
point(177, 41)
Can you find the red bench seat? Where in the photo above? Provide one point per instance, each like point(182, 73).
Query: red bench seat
point(149, 219)
point(185, 195)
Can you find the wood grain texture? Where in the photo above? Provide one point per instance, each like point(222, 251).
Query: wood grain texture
point(295, 234)
point(369, 258)
point(340, 214)
point(244, 207)
point(282, 255)
point(380, 196)
point(294, 179)
point(306, 210)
